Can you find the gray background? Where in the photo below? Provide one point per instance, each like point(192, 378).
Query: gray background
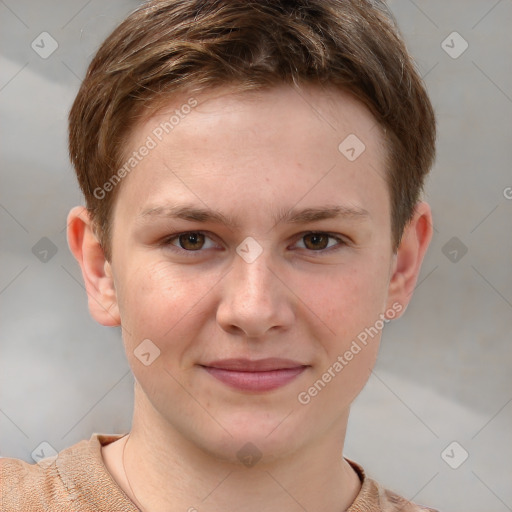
point(444, 372)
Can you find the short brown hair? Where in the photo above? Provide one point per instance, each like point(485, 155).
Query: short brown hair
point(170, 46)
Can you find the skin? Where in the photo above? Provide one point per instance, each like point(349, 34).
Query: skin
point(252, 157)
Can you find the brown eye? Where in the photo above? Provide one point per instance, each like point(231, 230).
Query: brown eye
point(316, 241)
point(191, 241)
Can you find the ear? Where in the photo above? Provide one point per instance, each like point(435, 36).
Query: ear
point(96, 270)
point(409, 257)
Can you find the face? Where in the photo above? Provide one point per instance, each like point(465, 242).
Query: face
point(254, 252)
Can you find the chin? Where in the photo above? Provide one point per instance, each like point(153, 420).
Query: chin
point(255, 438)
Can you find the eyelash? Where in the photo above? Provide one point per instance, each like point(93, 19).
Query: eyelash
point(167, 242)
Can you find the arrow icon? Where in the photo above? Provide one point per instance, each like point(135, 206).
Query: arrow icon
point(249, 455)
point(44, 250)
point(249, 249)
point(43, 451)
point(454, 45)
point(44, 45)
point(454, 455)
point(454, 249)
point(146, 352)
point(351, 147)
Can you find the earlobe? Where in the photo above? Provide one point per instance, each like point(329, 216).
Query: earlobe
point(409, 257)
point(96, 270)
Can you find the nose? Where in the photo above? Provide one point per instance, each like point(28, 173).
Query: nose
point(255, 299)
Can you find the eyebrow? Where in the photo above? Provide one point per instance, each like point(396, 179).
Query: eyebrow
point(290, 216)
point(316, 214)
point(190, 213)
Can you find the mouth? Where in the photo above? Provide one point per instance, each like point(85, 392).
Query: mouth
point(260, 375)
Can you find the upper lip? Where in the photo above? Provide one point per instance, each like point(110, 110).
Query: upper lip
point(249, 365)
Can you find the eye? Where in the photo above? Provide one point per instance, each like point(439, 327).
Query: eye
point(191, 241)
point(318, 241)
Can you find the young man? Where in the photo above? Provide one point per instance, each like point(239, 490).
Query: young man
point(252, 172)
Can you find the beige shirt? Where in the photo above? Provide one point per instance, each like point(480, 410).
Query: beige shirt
point(76, 480)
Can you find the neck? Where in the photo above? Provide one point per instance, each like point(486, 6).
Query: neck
point(166, 471)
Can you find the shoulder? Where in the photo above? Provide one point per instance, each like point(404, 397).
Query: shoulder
point(373, 497)
point(392, 502)
point(75, 480)
point(31, 486)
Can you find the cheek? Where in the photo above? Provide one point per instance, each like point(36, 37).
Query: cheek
point(349, 304)
point(347, 299)
point(156, 296)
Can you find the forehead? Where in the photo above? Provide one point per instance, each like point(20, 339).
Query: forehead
point(310, 112)
point(271, 145)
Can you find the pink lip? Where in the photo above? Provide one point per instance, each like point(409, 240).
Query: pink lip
point(260, 375)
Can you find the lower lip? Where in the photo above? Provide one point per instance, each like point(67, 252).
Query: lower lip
point(255, 381)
